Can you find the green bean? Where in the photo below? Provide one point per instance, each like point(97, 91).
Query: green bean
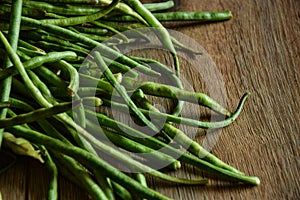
point(100, 38)
point(32, 12)
point(88, 159)
point(121, 191)
point(122, 68)
point(11, 113)
point(92, 101)
point(38, 61)
point(86, 80)
point(93, 189)
point(181, 16)
point(104, 184)
point(73, 1)
point(162, 33)
point(96, 31)
point(52, 170)
point(183, 120)
point(57, 9)
point(168, 91)
point(64, 44)
point(31, 53)
point(141, 178)
point(14, 30)
point(38, 114)
point(125, 9)
point(144, 151)
point(121, 29)
point(51, 47)
point(159, 5)
point(41, 86)
point(24, 44)
point(182, 139)
point(166, 73)
point(82, 19)
point(125, 158)
point(122, 91)
point(109, 52)
point(4, 104)
point(81, 176)
point(112, 29)
point(50, 77)
point(74, 77)
point(154, 143)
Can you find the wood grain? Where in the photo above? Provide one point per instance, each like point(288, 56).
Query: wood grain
point(257, 51)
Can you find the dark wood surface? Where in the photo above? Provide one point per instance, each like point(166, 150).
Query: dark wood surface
point(257, 51)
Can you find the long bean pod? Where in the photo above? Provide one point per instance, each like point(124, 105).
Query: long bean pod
point(183, 120)
point(159, 5)
point(14, 29)
point(82, 19)
point(52, 169)
point(38, 61)
point(181, 138)
point(154, 143)
point(85, 40)
point(168, 91)
point(88, 159)
point(182, 16)
point(161, 31)
point(122, 91)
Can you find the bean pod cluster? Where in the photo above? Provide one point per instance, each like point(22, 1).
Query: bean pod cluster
point(48, 104)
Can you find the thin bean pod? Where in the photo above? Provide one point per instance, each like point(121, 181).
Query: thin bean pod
point(124, 157)
point(81, 176)
point(88, 159)
point(165, 72)
point(183, 120)
point(122, 91)
point(181, 16)
point(31, 12)
point(159, 5)
point(154, 143)
point(142, 179)
point(24, 44)
point(38, 114)
point(112, 29)
point(63, 10)
point(161, 31)
point(144, 152)
point(52, 170)
point(157, 89)
point(14, 30)
point(82, 19)
point(121, 191)
point(41, 86)
point(109, 52)
point(96, 31)
point(181, 138)
point(73, 1)
point(38, 61)
point(126, 9)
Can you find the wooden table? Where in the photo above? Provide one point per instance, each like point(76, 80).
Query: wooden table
point(257, 51)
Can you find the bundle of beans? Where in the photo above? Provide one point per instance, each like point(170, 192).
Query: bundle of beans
point(48, 104)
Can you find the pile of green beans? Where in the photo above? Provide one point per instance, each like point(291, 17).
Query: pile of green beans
point(59, 95)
